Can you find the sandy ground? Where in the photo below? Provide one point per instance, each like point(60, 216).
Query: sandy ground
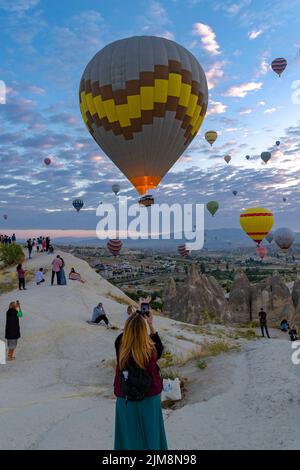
point(57, 394)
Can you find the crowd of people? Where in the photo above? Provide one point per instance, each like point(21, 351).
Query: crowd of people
point(7, 239)
point(39, 245)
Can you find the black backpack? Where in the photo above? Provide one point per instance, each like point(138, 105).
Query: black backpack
point(135, 382)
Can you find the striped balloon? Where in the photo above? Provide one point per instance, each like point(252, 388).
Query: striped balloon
point(183, 251)
point(114, 246)
point(78, 204)
point(211, 137)
point(257, 223)
point(261, 251)
point(279, 65)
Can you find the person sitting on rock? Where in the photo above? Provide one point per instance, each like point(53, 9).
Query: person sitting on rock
point(293, 333)
point(99, 315)
point(263, 323)
point(284, 326)
point(74, 276)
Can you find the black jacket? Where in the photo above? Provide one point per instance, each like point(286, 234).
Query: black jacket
point(12, 329)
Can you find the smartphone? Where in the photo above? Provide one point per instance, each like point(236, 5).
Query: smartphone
point(145, 309)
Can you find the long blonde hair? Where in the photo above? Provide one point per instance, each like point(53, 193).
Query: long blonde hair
point(136, 343)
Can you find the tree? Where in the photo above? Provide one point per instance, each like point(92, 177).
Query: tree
point(11, 254)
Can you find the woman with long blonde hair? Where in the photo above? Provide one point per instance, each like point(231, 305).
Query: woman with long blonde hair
point(138, 384)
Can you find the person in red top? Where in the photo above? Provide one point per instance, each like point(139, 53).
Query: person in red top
point(139, 424)
point(21, 277)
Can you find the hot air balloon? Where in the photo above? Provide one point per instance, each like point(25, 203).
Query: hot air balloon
point(279, 65)
point(143, 99)
point(284, 199)
point(211, 137)
point(212, 207)
point(265, 156)
point(78, 204)
point(247, 157)
point(183, 251)
point(270, 237)
point(227, 158)
point(277, 143)
point(257, 223)
point(261, 251)
point(235, 193)
point(114, 246)
point(47, 161)
point(284, 237)
point(116, 188)
point(5, 216)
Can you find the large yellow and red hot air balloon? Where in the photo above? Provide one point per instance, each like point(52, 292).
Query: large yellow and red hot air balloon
point(143, 99)
point(257, 223)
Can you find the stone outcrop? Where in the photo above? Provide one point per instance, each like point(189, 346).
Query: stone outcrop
point(240, 299)
point(196, 300)
point(200, 298)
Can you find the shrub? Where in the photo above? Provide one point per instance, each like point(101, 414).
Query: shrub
point(201, 364)
point(11, 254)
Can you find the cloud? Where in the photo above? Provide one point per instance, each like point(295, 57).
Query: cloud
point(215, 74)
point(156, 20)
point(270, 110)
point(216, 107)
point(242, 90)
point(255, 33)
point(208, 38)
point(245, 111)
point(18, 6)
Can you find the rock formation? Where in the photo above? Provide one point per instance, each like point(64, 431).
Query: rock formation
point(240, 299)
point(196, 300)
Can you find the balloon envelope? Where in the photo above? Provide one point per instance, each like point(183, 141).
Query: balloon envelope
point(234, 193)
point(183, 251)
point(278, 65)
point(116, 188)
point(47, 161)
point(284, 238)
point(143, 99)
point(261, 251)
point(114, 246)
point(211, 137)
point(257, 222)
point(265, 156)
point(5, 216)
point(247, 157)
point(78, 204)
point(277, 143)
point(212, 207)
point(227, 158)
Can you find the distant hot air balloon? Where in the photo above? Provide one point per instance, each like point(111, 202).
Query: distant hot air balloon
point(257, 223)
point(284, 238)
point(211, 137)
point(5, 216)
point(212, 207)
point(143, 99)
point(265, 156)
point(183, 251)
point(116, 188)
point(114, 246)
point(78, 204)
point(47, 161)
point(284, 199)
point(277, 143)
point(227, 158)
point(247, 157)
point(270, 237)
point(235, 193)
point(279, 65)
point(261, 251)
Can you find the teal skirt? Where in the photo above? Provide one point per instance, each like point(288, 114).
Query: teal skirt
point(139, 425)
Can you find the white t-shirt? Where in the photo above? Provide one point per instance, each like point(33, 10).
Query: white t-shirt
point(38, 276)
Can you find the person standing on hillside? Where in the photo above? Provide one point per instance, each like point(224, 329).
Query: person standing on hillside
point(47, 243)
point(62, 276)
point(29, 247)
point(21, 277)
point(56, 267)
point(12, 329)
point(263, 323)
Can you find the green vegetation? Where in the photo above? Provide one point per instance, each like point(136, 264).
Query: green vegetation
point(201, 364)
point(11, 254)
point(7, 287)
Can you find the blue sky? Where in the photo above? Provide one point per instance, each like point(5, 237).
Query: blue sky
point(44, 49)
